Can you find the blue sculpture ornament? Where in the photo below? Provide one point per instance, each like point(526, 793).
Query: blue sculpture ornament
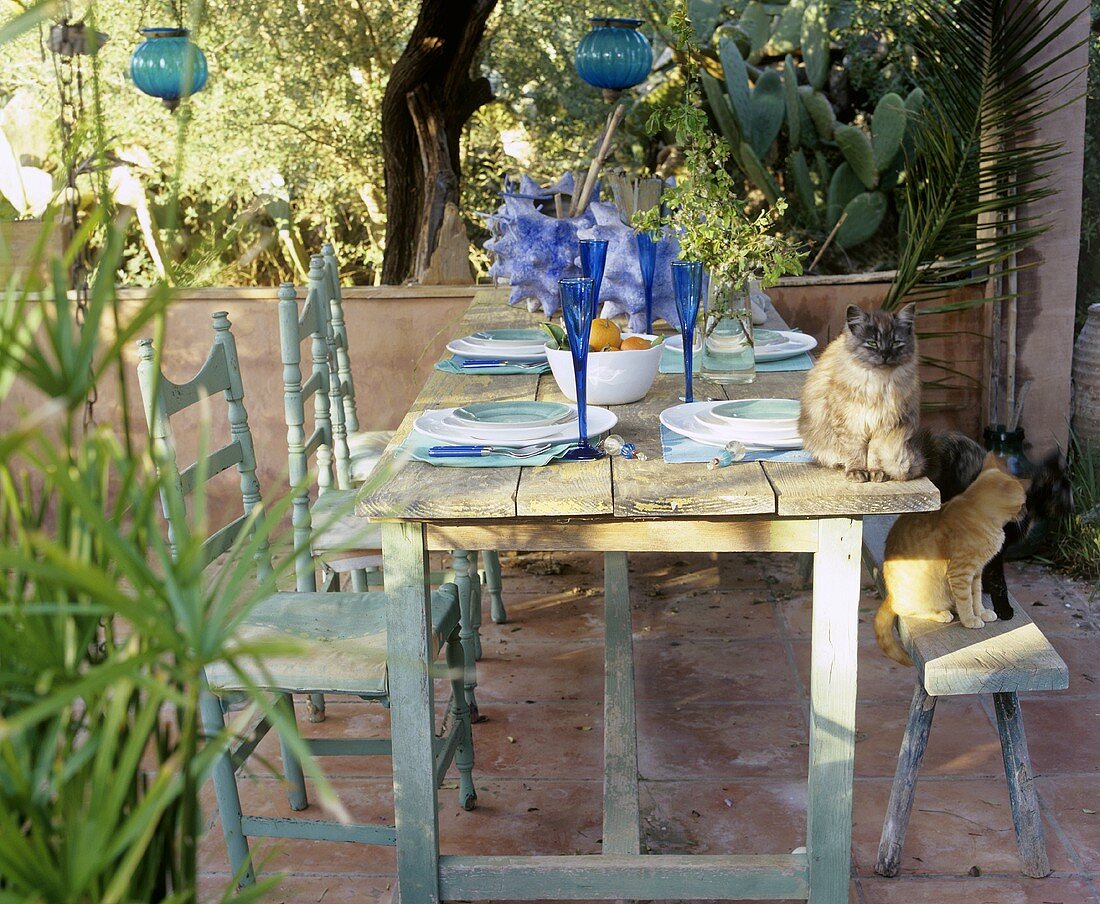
point(532, 251)
point(168, 65)
point(614, 55)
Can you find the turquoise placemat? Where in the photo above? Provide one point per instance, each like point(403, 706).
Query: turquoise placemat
point(450, 366)
point(672, 362)
point(679, 449)
point(417, 444)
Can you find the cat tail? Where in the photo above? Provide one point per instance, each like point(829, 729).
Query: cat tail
point(887, 638)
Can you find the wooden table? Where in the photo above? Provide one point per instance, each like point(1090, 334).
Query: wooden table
point(619, 506)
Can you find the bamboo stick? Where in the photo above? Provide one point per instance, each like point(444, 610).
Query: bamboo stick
point(828, 241)
point(581, 203)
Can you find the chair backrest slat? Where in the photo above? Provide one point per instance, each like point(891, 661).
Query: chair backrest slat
point(221, 372)
point(340, 336)
point(216, 462)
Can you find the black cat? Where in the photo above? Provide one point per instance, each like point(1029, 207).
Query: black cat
point(954, 461)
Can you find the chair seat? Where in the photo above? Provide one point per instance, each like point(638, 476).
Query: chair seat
point(366, 448)
point(336, 527)
point(340, 640)
point(1004, 656)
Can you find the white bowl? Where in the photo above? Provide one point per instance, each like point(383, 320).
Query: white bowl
point(614, 378)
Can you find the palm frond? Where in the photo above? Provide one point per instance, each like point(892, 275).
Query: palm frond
point(977, 161)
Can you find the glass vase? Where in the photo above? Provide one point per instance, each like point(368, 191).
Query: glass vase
point(728, 353)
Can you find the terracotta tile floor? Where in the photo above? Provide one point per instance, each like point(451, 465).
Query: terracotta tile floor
point(722, 659)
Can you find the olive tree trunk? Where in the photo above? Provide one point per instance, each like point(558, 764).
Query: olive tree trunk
point(435, 69)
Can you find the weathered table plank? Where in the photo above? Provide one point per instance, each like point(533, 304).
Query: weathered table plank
point(805, 489)
point(644, 489)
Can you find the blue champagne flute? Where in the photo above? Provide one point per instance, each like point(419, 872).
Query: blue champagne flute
point(647, 261)
point(593, 259)
point(687, 282)
point(579, 311)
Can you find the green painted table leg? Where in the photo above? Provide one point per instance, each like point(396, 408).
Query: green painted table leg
point(494, 585)
point(408, 626)
point(833, 708)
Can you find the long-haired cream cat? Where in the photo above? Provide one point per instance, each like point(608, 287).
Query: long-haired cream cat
point(934, 560)
point(861, 402)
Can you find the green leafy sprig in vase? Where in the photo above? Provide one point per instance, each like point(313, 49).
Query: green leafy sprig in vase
point(703, 207)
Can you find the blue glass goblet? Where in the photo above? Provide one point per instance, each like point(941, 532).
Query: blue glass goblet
point(687, 283)
point(593, 259)
point(579, 311)
point(647, 261)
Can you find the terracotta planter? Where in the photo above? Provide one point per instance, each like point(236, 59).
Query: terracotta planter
point(1086, 379)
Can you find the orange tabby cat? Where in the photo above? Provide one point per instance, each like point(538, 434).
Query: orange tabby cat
point(934, 560)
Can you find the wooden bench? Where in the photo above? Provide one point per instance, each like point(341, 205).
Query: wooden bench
point(1002, 659)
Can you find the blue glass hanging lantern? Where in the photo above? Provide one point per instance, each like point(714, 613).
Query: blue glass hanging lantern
point(614, 55)
point(168, 65)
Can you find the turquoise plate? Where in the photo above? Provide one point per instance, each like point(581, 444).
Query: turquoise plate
point(764, 411)
point(515, 414)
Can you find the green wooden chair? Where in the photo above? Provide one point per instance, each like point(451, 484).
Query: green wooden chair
point(341, 636)
point(365, 450)
point(339, 540)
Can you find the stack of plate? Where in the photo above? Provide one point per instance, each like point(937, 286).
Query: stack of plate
point(769, 345)
point(511, 423)
point(761, 424)
point(518, 346)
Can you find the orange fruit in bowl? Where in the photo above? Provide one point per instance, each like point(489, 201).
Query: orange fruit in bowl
point(634, 343)
point(605, 335)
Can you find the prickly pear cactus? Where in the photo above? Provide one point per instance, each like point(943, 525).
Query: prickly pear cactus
point(782, 126)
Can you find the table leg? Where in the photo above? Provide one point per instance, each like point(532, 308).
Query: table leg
point(408, 625)
point(833, 708)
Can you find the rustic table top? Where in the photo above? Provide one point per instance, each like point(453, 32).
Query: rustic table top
point(613, 487)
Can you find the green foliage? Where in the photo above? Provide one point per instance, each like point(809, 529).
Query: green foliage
point(1088, 263)
point(104, 629)
point(1077, 546)
point(772, 52)
point(704, 206)
point(286, 142)
point(856, 148)
point(865, 213)
point(980, 97)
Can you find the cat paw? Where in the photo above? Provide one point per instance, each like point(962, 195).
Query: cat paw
point(972, 622)
point(857, 475)
point(987, 615)
point(878, 476)
point(943, 615)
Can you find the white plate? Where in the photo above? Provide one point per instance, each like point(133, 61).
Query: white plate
point(510, 336)
point(707, 421)
point(493, 434)
point(793, 344)
point(676, 343)
point(504, 348)
point(462, 350)
point(796, 344)
point(681, 419)
point(433, 425)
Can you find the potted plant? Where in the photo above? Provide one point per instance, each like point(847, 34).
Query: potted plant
point(25, 193)
point(709, 217)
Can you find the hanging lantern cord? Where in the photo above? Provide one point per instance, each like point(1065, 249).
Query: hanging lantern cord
point(67, 43)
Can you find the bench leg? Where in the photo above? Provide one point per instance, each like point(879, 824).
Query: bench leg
point(1022, 794)
point(910, 756)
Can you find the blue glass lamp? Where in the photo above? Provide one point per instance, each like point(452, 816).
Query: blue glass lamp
point(614, 55)
point(168, 65)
